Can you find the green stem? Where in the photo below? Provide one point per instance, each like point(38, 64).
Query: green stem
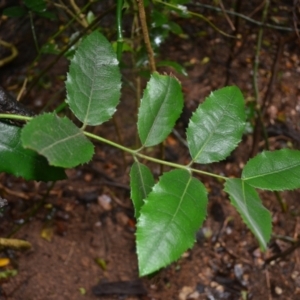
point(15, 117)
point(135, 153)
point(111, 143)
point(33, 32)
point(119, 29)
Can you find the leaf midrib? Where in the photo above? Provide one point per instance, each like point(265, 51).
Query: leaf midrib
point(90, 97)
point(253, 223)
point(160, 108)
point(159, 239)
point(142, 181)
point(43, 150)
point(212, 133)
point(271, 173)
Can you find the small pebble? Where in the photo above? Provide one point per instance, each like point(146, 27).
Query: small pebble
point(88, 177)
point(185, 292)
point(278, 290)
point(105, 202)
point(194, 295)
point(122, 218)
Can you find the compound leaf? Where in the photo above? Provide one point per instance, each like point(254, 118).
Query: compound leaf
point(275, 171)
point(24, 162)
point(217, 126)
point(94, 80)
point(169, 219)
point(247, 202)
point(141, 183)
point(58, 139)
point(161, 106)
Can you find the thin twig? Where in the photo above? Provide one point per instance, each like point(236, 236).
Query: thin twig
point(269, 92)
point(200, 16)
point(79, 13)
point(21, 92)
point(267, 25)
point(268, 284)
point(57, 33)
point(232, 52)
point(226, 15)
point(259, 124)
point(150, 52)
point(147, 41)
point(284, 253)
point(33, 32)
point(259, 118)
point(57, 58)
point(295, 19)
point(14, 193)
point(12, 56)
point(258, 8)
point(68, 11)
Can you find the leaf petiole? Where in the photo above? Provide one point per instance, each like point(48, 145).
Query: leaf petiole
point(15, 117)
point(135, 153)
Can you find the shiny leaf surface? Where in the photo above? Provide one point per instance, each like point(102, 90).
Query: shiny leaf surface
point(58, 139)
point(217, 126)
point(161, 106)
point(170, 217)
point(94, 80)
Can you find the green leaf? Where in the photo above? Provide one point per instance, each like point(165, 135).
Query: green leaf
point(47, 15)
point(50, 48)
point(160, 107)
point(158, 18)
point(23, 162)
point(277, 170)
point(169, 220)
point(247, 202)
point(141, 183)
point(36, 5)
point(177, 67)
point(175, 28)
point(217, 126)
point(58, 139)
point(94, 81)
point(14, 11)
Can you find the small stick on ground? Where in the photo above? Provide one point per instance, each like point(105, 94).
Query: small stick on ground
point(14, 244)
point(268, 284)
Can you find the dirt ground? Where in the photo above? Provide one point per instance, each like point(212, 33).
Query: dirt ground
point(82, 229)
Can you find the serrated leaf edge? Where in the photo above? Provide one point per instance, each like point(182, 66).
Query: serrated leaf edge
point(259, 236)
